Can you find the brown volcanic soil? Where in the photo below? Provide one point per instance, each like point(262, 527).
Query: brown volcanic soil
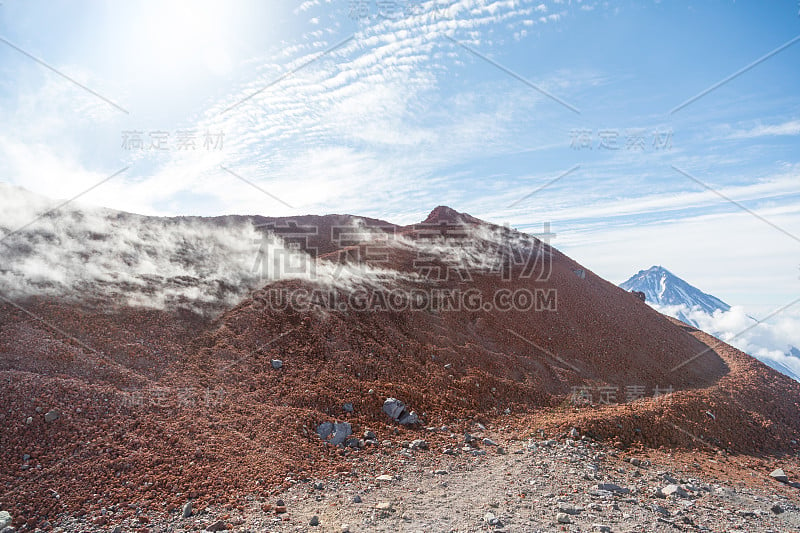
point(158, 406)
point(751, 408)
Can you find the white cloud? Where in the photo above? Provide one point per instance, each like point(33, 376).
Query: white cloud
point(90, 252)
point(791, 127)
point(306, 5)
point(768, 341)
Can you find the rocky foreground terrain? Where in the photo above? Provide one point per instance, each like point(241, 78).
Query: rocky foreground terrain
point(123, 410)
point(477, 483)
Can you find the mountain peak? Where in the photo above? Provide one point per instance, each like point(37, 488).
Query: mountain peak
point(444, 213)
point(656, 269)
point(662, 287)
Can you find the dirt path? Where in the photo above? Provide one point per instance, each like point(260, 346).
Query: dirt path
point(555, 485)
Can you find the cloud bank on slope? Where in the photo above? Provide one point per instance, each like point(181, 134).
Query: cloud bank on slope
point(115, 258)
point(768, 342)
point(134, 260)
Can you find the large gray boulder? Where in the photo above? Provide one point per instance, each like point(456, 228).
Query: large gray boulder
point(397, 411)
point(335, 433)
point(779, 475)
point(394, 408)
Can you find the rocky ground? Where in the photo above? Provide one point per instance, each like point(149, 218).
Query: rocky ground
point(569, 483)
point(117, 416)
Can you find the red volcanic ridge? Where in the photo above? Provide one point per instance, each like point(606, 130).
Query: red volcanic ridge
point(443, 213)
point(472, 322)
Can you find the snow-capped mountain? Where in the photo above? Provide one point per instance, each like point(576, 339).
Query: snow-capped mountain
point(662, 287)
point(673, 296)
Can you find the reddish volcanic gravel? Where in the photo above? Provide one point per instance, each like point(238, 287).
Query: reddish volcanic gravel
point(157, 406)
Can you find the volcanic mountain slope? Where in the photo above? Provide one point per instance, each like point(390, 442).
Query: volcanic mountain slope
point(460, 319)
point(531, 357)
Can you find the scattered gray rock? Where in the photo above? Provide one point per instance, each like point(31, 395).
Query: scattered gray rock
point(611, 487)
point(492, 520)
point(668, 478)
point(354, 443)
point(410, 419)
point(345, 528)
point(29, 421)
point(776, 508)
point(219, 525)
point(441, 472)
point(357, 499)
point(334, 433)
point(602, 528)
point(574, 433)
point(347, 408)
point(384, 508)
point(51, 416)
point(489, 442)
point(672, 490)
point(5, 519)
point(314, 521)
point(186, 512)
point(779, 475)
point(397, 411)
point(394, 408)
point(277, 364)
point(370, 435)
point(569, 508)
point(418, 444)
point(563, 518)
point(659, 509)
point(384, 477)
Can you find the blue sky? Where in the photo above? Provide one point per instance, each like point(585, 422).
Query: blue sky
point(474, 104)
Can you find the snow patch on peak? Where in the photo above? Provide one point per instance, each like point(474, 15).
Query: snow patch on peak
point(660, 286)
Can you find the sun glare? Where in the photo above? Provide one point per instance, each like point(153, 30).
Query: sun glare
point(178, 37)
